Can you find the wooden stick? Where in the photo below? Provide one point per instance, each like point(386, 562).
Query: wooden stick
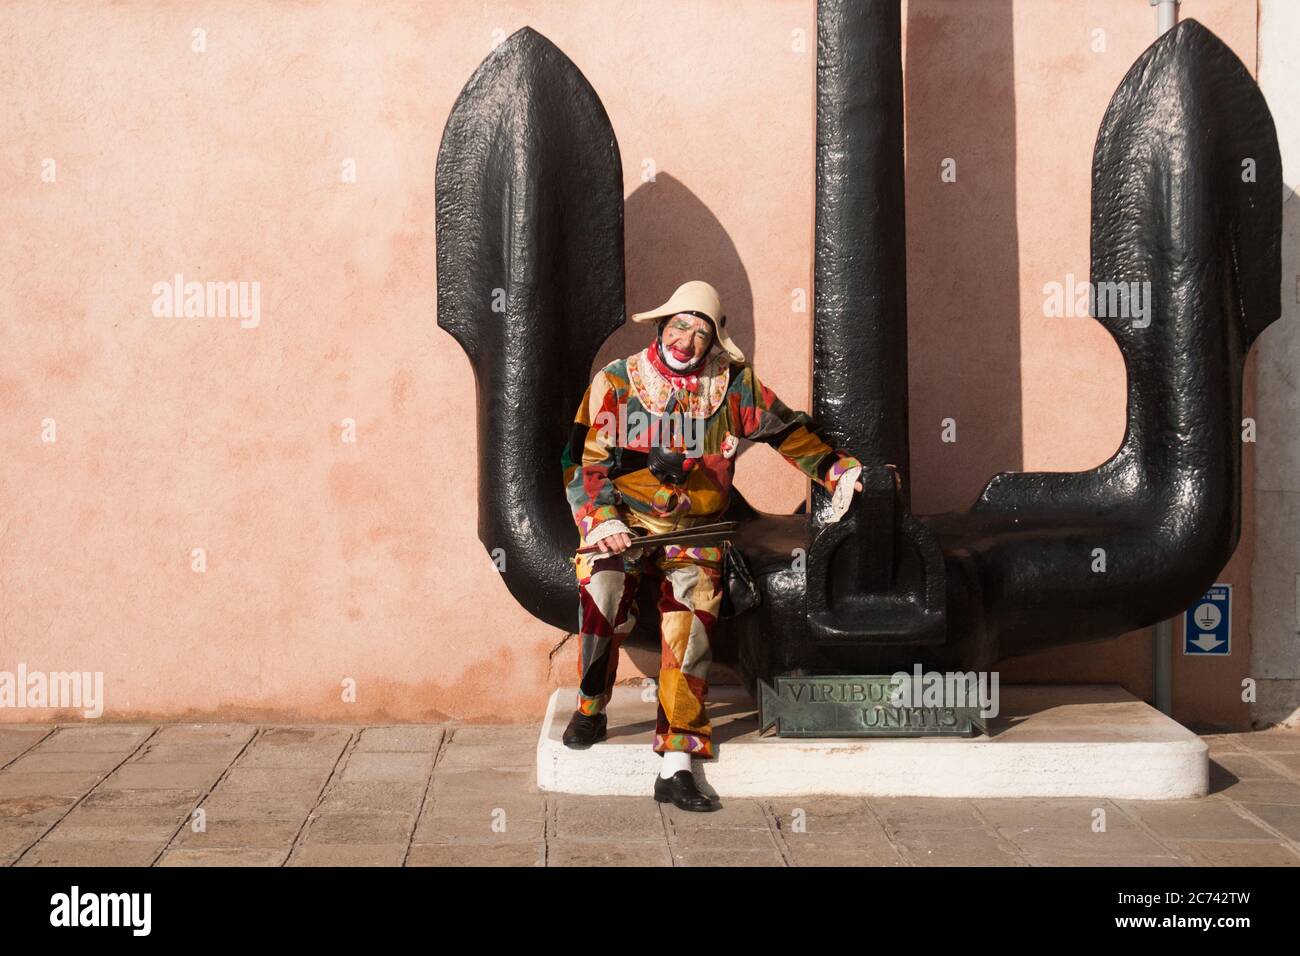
point(720, 529)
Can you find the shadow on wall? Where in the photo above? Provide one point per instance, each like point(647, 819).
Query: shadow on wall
point(963, 264)
point(670, 237)
point(963, 261)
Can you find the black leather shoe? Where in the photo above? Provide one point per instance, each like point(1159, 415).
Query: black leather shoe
point(680, 791)
point(583, 731)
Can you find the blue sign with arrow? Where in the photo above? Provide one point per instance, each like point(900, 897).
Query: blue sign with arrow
point(1207, 625)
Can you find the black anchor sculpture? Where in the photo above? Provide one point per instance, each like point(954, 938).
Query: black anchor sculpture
point(531, 282)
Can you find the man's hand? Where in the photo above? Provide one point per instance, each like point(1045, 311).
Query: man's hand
point(614, 544)
point(898, 479)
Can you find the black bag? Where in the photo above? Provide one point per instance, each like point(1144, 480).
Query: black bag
point(668, 466)
point(740, 591)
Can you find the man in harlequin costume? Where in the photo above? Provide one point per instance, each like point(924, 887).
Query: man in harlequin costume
point(653, 448)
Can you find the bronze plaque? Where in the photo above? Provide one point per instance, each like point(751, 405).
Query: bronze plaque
point(855, 706)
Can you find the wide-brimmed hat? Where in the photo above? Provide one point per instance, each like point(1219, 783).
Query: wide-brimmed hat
point(702, 299)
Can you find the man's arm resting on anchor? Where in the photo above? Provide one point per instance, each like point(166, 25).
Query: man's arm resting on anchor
point(801, 441)
point(795, 436)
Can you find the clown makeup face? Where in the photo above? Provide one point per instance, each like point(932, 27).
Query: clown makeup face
point(686, 339)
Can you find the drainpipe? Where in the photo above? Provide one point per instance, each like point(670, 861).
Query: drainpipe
point(1162, 634)
point(1166, 14)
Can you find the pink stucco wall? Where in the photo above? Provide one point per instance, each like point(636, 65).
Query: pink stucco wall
point(329, 560)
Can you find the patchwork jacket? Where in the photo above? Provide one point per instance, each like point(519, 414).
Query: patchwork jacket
point(637, 402)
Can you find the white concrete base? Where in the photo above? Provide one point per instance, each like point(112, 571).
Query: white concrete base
point(1064, 741)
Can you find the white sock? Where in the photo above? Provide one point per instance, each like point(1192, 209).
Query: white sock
point(675, 760)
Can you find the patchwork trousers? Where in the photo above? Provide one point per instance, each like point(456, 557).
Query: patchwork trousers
point(690, 596)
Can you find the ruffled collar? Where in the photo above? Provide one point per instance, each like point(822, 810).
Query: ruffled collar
point(700, 394)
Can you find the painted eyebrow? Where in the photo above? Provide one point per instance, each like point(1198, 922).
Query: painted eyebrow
point(683, 325)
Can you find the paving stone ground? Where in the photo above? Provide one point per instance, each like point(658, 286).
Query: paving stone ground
point(232, 794)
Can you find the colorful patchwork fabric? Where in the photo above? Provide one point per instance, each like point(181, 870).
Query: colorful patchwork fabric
point(631, 405)
point(692, 552)
point(690, 597)
point(691, 743)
